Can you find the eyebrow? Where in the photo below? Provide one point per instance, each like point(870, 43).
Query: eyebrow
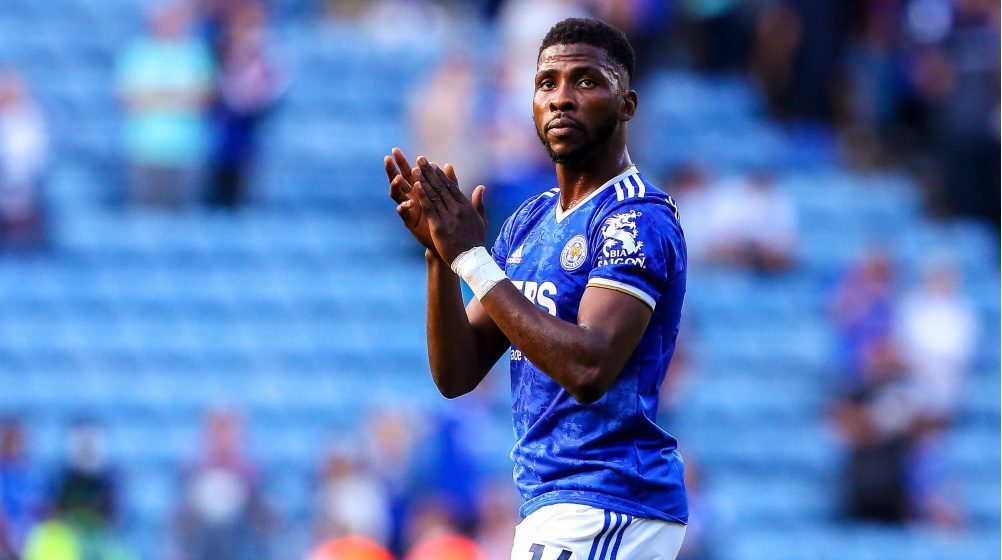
point(582, 68)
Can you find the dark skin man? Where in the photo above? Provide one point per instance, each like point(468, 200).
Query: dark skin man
point(581, 105)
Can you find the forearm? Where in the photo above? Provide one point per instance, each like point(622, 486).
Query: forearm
point(576, 357)
point(456, 364)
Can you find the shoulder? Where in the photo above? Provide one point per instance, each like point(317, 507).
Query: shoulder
point(534, 204)
point(637, 201)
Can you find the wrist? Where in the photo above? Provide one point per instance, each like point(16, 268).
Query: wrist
point(478, 269)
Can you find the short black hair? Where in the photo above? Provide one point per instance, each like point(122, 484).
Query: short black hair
point(594, 32)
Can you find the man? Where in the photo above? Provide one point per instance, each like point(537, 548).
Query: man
point(585, 284)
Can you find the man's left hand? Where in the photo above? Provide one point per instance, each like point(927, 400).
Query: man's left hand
point(456, 224)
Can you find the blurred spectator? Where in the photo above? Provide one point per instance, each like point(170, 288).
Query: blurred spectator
point(497, 505)
point(716, 32)
point(937, 334)
point(863, 311)
point(435, 536)
point(351, 500)
point(248, 85)
point(778, 33)
point(165, 85)
point(689, 184)
point(21, 499)
point(223, 514)
point(444, 120)
point(875, 421)
point(447, 547)
point(390, 440)
point(24, 154)
point(87, 487)
point(876, 416)
point(7, 551)
point(754, 225)
point(87, 495)
point(350, 548)
point(705, 515)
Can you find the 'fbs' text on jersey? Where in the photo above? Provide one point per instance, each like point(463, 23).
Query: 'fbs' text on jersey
point(540, 293)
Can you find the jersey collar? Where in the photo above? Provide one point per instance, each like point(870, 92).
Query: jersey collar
point(561, 214)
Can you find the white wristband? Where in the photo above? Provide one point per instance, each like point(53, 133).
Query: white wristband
point(478, 268)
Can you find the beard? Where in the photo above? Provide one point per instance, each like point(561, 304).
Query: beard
point(582, 153)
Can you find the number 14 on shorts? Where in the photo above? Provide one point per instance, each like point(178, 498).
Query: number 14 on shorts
point(538, 550)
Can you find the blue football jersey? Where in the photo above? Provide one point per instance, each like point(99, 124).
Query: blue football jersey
point(609, 454)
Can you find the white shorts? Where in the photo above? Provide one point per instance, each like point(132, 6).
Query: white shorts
point(579, 532)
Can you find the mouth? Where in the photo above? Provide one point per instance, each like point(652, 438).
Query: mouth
point(562, 126)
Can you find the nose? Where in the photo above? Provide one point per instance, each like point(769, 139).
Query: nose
point(562, 99)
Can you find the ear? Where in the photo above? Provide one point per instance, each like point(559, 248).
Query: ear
point(629, 106)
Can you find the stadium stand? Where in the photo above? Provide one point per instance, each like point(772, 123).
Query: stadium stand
point(307, 308)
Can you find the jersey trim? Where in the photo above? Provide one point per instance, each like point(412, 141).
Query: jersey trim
point(625, 288)
point(631, 170)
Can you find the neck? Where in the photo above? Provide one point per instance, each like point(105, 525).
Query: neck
point(579, 181)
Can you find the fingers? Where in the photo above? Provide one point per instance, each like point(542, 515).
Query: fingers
point(391, 168)
point(439, 181)
point(427, 175)
point(401, 161)
point(450, 172)
point(430, 200)
point(406, 213)
point(399, 189)
point(450, 184)
point(478, 201)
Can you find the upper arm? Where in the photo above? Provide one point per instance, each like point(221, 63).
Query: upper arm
point(638, 254)
point(619, 319)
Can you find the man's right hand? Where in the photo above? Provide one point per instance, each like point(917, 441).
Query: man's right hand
point(401, 176)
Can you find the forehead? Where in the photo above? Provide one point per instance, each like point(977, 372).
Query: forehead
point(556, 57)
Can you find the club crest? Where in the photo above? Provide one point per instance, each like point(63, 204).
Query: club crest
point(575, 253)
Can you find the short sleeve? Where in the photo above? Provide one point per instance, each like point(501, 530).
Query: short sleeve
point(501, 245)
point(638, 249)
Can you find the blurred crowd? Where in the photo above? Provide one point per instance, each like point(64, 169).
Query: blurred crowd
point(372, 497)
point(904, 354)
point(193, 90)
point(909, 83)
point(406, 485)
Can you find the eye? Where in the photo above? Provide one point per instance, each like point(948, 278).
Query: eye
point(588, 83)
point(546, 83)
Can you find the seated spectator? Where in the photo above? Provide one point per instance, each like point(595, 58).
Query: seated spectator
point(21, 499)
point(937, 332)
point(223, 514)
point(165, 85)
point(435, 535)
point(24, 154)
point(87, 487)
point(7, 551)
point(351, 500)
point(863, 311)
point(875, 421)
point(83, 523)
point(497, 507)
point(689, 185)
point(349, 548)
point(248, 86)
point(753, 225)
